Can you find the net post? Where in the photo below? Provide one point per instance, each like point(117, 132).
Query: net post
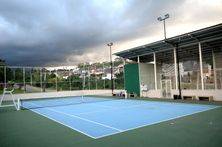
point(18, 104)
point(2, 97)
point(82, 96)
point(125, 93)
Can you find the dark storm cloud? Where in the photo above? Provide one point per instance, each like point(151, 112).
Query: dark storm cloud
point(49, 31)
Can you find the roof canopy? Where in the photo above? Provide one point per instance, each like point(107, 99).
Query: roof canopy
point(212, 36)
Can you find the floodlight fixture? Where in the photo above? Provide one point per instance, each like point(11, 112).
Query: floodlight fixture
point(110, 44)
point(159, 18)
point(167, 16)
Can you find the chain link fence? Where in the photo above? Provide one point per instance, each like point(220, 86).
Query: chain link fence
point(84, 76)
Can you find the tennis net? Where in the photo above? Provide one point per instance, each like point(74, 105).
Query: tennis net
point(63, 101)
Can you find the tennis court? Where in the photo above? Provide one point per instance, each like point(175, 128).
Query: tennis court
point(98, 117)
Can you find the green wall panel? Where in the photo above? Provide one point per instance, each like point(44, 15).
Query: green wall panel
point(132, 78)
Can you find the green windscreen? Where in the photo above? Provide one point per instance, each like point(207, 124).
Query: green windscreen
point(131, 75)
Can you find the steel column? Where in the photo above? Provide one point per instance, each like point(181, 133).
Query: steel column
point(201, 66)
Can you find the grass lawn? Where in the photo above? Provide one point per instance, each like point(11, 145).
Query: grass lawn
point(16, 91)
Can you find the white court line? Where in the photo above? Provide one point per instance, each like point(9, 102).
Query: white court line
point(94, 122)
point(121, 131)
point(63, 124)
point(156, 122)
point(84, 119)
point(139, 105)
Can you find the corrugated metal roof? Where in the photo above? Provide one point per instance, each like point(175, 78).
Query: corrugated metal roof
point(212, 35)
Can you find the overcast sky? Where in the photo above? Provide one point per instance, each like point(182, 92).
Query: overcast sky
point(66, 32)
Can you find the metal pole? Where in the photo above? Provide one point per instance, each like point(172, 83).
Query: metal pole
point(138, 62)
point(14, 74)
point(5, 76)
point(104, 81)
point(201, 66)
point(124, 63)
point(166, 16)
point(41, 79)
point(155, 71)
point(220, 79)
point(70, 82)
point(89, 79)
point(178, 72)
point(84, 77)
point(24, 85)
point(44, 81)
point(164, 25)
point(113, 75)
point(31, 77)
point(175, 68)
point(111, 64)
point(215, 70)
point(56, 80)
point(96, 80)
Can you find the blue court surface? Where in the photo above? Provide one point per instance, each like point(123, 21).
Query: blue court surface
point(107, 117)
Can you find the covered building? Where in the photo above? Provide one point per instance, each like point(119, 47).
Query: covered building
point(184, 66)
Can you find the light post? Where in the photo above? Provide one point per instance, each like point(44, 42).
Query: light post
point(111, 64)
point(166, 16)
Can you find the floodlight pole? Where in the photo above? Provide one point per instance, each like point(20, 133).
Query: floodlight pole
point(166, 16)
point(164, 28)
point(111, 64)
point(178, 72)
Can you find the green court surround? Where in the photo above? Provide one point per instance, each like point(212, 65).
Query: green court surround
point(27, 129)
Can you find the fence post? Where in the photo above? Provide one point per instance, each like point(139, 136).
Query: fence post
point(56, 80)
point(41, 78)
point(44, 81)
point(124, 63)
point(114, 86)
point(89, 79)
point(96, 77)
point(5, 76)
point(14, 74)
point(70, 82)
point(104, 80)
point(31, 76)
point(24, 85)
point(84, 77)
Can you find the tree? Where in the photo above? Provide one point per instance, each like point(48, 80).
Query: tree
point(2, 62)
